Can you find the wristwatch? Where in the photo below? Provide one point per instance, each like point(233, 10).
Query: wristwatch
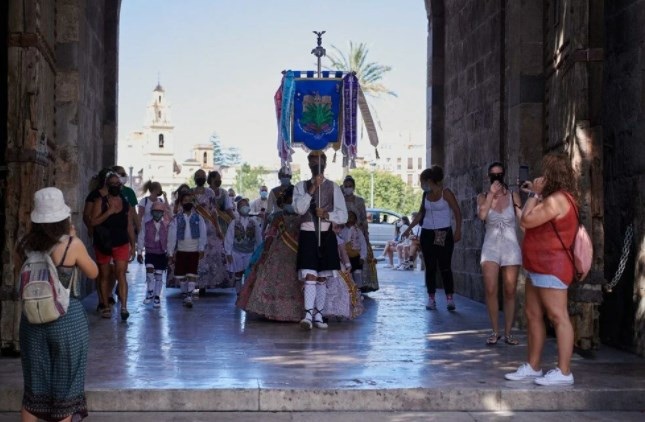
point(535, 195)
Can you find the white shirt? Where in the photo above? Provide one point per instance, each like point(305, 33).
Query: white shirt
point(438, 214)
point(188, 244)
point(229, 240)
point(258, 204)
point(146, 203)
point(302, 200)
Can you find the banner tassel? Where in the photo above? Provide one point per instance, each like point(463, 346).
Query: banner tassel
point(378, 157)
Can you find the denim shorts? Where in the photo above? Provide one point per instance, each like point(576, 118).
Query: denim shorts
point(547, 281)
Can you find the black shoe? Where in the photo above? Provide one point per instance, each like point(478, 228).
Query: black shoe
point(202, 291)
point(111, 301)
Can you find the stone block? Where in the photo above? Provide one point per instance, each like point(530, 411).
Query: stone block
point(68, 21)
point(67, 86)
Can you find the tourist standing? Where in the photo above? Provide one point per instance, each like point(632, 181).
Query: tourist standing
point(438, 206)
point(369, 277)
point(320, 202)
point(499, 208)
point(243, 236)
point(154, 238)
point(550, 219)
point(186, 245)
point(260, 205)
point(114, 240)
point(54, 354)
point(212, 269)
point(355, 245)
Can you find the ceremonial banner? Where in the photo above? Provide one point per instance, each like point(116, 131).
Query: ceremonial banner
point(316, 112)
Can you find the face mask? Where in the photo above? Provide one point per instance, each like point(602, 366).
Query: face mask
point(187, 207)
point(264, 194)
point(285, 181)
point(217, 183)
point(157, 215)
point(496, 178)
point(349, 191)
point(399, 224)
point(124, 180)
point(114, 190)
point(288, 208)
point(245, 210)
point(200, 181)
point(426, 188)
point(315, 170)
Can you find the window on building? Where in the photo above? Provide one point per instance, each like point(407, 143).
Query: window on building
point(161, 141)
point(159, 114)
point(205, 160)
point(160, 98)
point(410, 163)
point(410, 179)
point(398, 163)
point(420, 163)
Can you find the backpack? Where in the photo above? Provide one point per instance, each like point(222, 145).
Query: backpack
point(44, 298)
point(581, 251)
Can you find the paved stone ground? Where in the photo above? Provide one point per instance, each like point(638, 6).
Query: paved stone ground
point(359, 417)
point(396, 357)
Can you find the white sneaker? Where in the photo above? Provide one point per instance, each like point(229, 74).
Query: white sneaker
point(157, 302)
point(188, 301)
point(306, 324)
point(388, 266)
point(321, 325)
point(555, 377)
point(524, 372)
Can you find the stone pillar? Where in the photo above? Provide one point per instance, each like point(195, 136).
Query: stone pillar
point(30, 147)
point(435, 119)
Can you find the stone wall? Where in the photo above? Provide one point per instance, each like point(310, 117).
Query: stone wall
point(474, 120)
point(623, 311)
point(61, 116)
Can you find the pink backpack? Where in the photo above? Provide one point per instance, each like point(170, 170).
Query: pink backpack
point(581, 251)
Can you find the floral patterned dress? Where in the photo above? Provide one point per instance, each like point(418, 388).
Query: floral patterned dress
point(369, 283)
point(272, 289)
point(212, 271)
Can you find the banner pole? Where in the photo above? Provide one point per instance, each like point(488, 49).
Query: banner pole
point(319, 52)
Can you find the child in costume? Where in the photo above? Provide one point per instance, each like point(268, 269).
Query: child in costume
point(243, 235)
point(153, 237)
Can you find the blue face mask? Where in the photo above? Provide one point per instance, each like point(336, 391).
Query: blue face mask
point(426, 188)
point(264, 194)
point(288, 208)
point(285, 181)
point(245, 210)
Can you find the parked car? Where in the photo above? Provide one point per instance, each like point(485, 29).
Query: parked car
point(382, 226)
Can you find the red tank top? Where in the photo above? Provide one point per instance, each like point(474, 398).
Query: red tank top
point(542, 251)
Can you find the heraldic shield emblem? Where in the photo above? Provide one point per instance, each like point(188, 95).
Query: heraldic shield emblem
point(316, 113)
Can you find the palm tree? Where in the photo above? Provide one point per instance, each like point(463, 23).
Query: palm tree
point(369, 74)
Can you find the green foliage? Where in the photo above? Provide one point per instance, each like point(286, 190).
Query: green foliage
point(248, 180)
point(317, 117)
point(390, 192)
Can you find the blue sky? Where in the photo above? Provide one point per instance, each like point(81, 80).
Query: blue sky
point(220, 62)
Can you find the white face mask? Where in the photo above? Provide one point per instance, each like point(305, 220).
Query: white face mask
point(124, 180)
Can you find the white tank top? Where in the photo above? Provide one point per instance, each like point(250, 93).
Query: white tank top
point(438, 214)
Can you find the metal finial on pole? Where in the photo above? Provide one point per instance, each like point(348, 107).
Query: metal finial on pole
point(319, 51)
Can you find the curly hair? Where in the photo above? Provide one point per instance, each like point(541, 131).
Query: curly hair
point(151, 185)
point(43, 236)
point(559, 174)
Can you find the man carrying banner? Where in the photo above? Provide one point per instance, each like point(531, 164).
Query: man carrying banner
point(320, 202)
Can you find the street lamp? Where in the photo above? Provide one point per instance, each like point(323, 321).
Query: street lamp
point(372, 166)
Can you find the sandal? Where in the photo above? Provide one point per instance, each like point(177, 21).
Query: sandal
point(493, 339)
point(124, 314)
point(510, 340)
point(106, 313)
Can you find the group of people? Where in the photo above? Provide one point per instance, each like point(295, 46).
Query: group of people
point(305, 257)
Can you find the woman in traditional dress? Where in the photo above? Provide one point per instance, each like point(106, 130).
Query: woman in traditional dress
point(272, 289)
point(171, 282)
point(344, 298)
point(54, 354)
point(212, 268)
point(369, 282)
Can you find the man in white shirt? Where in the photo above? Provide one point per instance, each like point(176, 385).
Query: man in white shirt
point(260, 205)
point(186, 245)
point(320, 202)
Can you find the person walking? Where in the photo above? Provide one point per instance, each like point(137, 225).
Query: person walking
point(54, 354)
point(500, 209)
point(244, 235)
point(550, 219)
point(155, 194)
point(320, 203)
point(153, 237)
point(114, 240)
point(438, 206)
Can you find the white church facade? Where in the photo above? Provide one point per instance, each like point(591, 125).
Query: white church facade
point(149, 154)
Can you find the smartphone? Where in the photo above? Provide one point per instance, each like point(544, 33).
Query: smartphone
point(523, 175)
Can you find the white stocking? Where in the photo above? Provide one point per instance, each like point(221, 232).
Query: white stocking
point(158, 282)
point(192, 281)
point(150, 282)
point(310, 298)
point(358, 277)
point(183, 285)
point(321, 295)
